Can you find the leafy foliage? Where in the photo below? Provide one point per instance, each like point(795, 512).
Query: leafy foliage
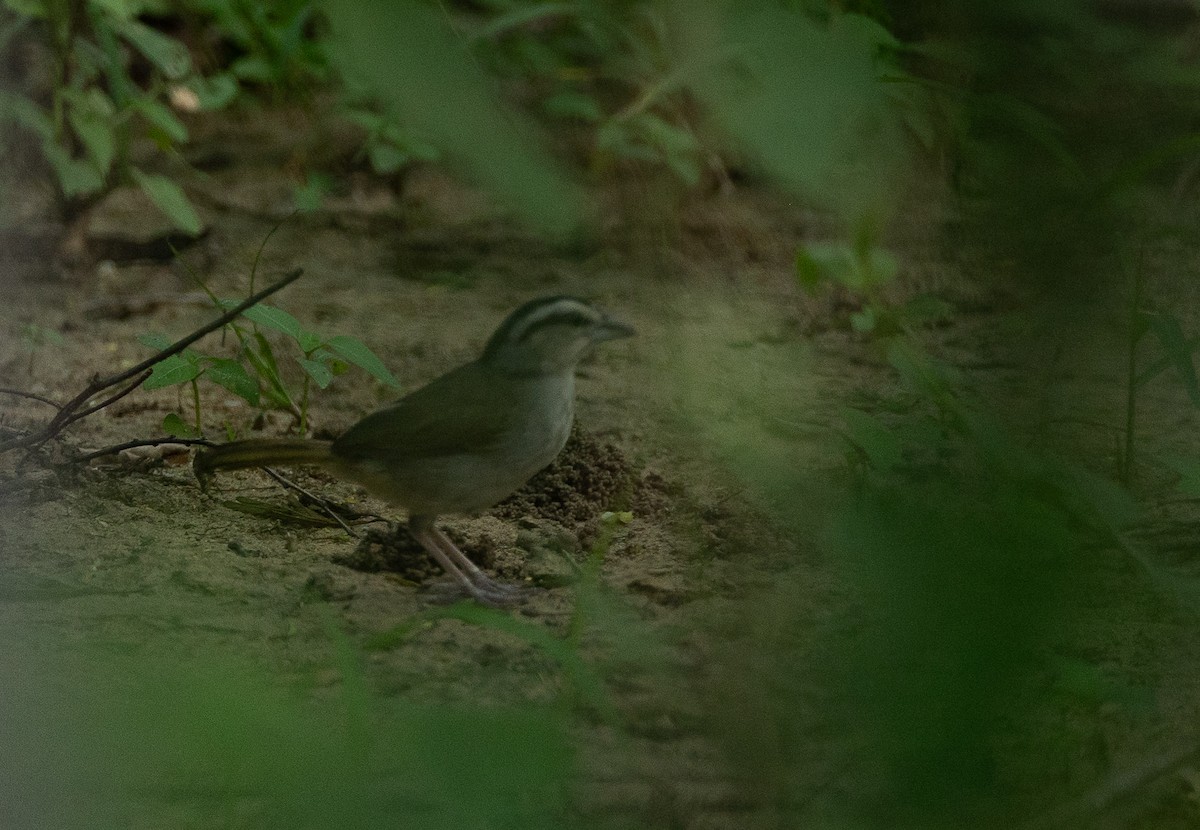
point(96, 108)
point(322, 359)
point(275, 47)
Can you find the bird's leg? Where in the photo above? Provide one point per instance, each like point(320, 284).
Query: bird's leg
point(423, 533)
point(478, 584)
point(473, 572)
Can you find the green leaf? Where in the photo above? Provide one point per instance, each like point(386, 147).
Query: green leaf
point(267, 354)
point(387, 158)
point(231, 375)
point(176, 426)
point(214, 91)
point(1189, 472)
point(275, 318)
point(76, 177)
point(569, 104)
point(158, 342)
point(316, 370)
point(821, 262)
point(169, 198)
point(865, 321)
point(263, 361)
point(664, 135)
point(21, 110)
point(308, 196)
point(121, 9)
point(169, 55)
point(253, 68)
point(28, 8)
point(882, 267)
point(309, 341)
point(454, 107)
point(615, 137)
point(369, 120)
point(354, 351)
point(91, 118)
point(879, 444)
point(161, 117)
point(794, 93)
point(174, 370)
point(1170, 334)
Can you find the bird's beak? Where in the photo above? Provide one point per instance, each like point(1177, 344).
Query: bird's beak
point(612, 329)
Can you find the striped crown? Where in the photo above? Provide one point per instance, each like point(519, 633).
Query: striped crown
point(562, 310)
point(550, 334)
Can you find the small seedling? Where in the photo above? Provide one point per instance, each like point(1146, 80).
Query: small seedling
point(321, 358)
point(863, 269)
point(188, 367)
point(388, 146)
point(1177, 351)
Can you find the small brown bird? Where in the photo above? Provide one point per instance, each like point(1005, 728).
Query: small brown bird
point(466, 440)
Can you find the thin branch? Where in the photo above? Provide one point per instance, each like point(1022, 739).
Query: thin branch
point(138, 381)
point(144, 442)
point(68, 413)
point(18, 393)
point(324, 503)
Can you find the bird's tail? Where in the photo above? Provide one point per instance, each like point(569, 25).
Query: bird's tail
point(261, 452)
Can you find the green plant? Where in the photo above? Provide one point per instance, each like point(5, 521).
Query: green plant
point(275, 46)
point(1143, 316)
point(606, 65)
point(188, 367)
point(96, 103)
point(321, 358)
point(307, 197)
point(864, 270)
point(1177, 351)
point(387, 145)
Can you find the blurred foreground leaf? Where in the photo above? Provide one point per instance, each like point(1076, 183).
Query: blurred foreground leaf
point(209, 744)
point(408, 56)
point(803, 99)
point(170, 199)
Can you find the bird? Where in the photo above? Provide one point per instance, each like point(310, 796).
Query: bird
point(464, 441)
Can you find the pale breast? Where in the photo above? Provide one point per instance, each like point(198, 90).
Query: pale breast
point(468, 482)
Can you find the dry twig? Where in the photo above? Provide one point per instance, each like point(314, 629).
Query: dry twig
point(70, 412)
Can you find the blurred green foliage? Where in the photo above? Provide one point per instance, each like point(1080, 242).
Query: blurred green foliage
point(82, 103)
point(441, 93)
point(800, 94)
point(273, 48)
point(215, 743)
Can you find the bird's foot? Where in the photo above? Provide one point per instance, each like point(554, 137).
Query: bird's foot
point(486, 591)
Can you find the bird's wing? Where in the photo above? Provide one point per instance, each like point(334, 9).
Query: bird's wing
point(456, 413)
